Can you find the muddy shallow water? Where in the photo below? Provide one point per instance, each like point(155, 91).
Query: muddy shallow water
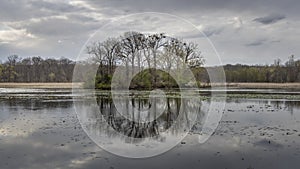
point(42, 131)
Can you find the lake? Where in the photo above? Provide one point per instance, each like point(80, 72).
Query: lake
point(39, 128)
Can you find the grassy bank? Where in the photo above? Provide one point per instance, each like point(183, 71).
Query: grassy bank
point(41, 85)
point(264, 85)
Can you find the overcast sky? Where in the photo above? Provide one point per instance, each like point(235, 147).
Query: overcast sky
point(250, 32)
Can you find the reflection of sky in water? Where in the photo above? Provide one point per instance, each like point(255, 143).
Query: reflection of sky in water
point(253, 133)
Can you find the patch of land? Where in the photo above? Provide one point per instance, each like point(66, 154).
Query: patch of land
point(41, 85)
point(264, 85)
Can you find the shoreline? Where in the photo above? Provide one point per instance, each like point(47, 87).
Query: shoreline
point(41, 85)
point(295, 85)
point(80, 85)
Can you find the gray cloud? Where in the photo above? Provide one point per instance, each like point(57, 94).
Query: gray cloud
point(210, 31)
point(82, 18)
point(55, 7)
point(256, 42)
point(19, 10)
point(60, 27)
point(194, 6)
point(54, 27)
point(273, 18)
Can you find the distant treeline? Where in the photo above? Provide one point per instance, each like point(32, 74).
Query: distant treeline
point(275, 73)
point(278, 72)
point(37, 69)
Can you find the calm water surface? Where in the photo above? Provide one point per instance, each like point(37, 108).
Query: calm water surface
point(39, 129)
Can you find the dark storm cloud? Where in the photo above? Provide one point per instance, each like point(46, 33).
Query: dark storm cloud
point(270, 18)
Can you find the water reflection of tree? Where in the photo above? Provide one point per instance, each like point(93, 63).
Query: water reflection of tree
point(135, 127)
